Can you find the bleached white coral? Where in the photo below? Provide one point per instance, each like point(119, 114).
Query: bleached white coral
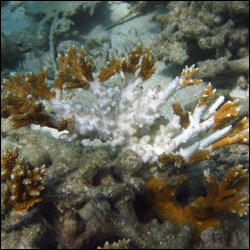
point(127, 115)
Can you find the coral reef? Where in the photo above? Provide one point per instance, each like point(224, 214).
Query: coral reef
point(93, 196)
point(24, 185)
point(124, 115)
point(135, 158)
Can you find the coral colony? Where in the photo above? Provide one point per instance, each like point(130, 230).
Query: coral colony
point(23, 185)
point(123, 115)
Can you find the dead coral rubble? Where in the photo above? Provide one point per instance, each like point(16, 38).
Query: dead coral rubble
point(210, 33)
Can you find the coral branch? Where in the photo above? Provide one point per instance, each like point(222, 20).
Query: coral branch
point(75, 71)
point(182, 114)
point(187, 75)
point(114, 66)
point(134, 56)
point(24, 185)
point(147, 66)
point(130, 65)
point(22, 101)
point(222, 197)
point(236, 135)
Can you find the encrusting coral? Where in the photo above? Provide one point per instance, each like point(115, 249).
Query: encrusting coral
point(222, 197)
point(123, 115)
point(23, 185)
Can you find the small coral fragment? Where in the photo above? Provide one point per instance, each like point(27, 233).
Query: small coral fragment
point(187, 76)
point(199, 156)
point(114, 66)
point(236, 135)
point(183, 115)
point(226, 113)
point(147, 65)
point(207, 93)
point(226, 196)
point(170, 159)
point(131, 65)
point(24, 185)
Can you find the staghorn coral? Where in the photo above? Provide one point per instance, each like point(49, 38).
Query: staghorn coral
point(120, 244)
point(123, 114)
point(222, 197)
point(24, 185)
point(23, 104)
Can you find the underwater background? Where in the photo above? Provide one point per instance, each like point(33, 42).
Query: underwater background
point(94, 196)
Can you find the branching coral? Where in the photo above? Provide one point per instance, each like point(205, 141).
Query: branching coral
point(121, 244)
point(124, 113)
point(222, 197)
point(24, 185)
point(23, 104)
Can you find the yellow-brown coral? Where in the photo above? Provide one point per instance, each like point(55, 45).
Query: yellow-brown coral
point(22, 101)
point(24, 185)
point(187, 76)
point(226, 196)
point(130, 65)
point(236, 135)
point(183, 115)
point(114, 66)
point(23, 97)
point(74, 70)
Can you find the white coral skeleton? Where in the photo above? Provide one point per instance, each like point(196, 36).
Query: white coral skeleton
point(123, 115)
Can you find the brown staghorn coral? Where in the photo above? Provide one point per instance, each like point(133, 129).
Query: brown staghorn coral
point(224, 197)
point(130, 65)
point(74, 70)
point(23, 97)
point(207, 127)
point(24, 185)
point(22, 102)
